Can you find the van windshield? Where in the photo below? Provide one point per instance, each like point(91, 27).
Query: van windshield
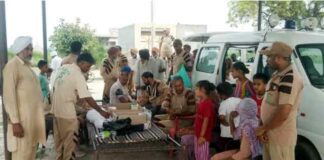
point(207, 59)
point(312, 58)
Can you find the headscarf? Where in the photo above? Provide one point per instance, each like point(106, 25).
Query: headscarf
point(248, 122)
point(21, 43)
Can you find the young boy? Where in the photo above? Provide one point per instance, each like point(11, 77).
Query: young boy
point(43, 78)
point(228, 105)
point(49, 73)
point(260, 81)
point(43, 67)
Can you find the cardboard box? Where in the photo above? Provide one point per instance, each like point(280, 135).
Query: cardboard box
point(123, 106)
point(124, 110)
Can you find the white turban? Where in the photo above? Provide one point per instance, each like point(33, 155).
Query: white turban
point(21, 43)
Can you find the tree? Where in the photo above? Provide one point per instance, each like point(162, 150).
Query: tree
point(65, 33)
point(241, 11)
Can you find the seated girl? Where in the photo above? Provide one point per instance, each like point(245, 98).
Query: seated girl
point(250, 147)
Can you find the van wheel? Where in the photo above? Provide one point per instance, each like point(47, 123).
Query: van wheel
point(305, 150)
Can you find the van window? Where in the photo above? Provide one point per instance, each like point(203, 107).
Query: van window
point(207, 59)
point(263, 66)
point(312, 57)
point(234, 53)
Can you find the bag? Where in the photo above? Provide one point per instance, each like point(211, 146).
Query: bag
point(117, 125)
point(184, 75)
point(122, 127)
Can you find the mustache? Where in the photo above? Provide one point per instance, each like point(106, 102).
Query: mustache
point(28, 58)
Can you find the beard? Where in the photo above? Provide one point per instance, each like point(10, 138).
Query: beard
point(28, 58)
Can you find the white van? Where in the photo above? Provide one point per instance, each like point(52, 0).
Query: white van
point(308, 58)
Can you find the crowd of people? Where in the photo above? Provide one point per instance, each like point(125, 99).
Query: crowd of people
point(250, 120)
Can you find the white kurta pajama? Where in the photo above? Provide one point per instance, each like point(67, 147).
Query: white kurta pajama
point(23, 104)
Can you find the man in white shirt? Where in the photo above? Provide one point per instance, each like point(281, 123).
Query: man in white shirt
point(228, 105)
point(119, 90)
point(146, 64)
point(160, 65)
point(56, 61)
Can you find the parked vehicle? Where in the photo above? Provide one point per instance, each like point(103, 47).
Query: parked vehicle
point(308, 58)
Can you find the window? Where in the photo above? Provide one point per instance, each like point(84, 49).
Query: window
point(207, 59)
point(234, 53)
point(263, 66)
point(312, 57)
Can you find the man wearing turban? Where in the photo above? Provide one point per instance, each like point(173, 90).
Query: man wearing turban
point(23, 103)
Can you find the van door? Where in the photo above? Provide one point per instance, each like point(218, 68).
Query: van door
point(260, 63)
point(234, 52)
point(207, 63)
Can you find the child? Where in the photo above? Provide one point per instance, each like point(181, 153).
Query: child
point(244, 87)
point(260, 81)
point(49, 73)
point(205, 119)
point(250, 147)
point(228, 104)
point(43, 67)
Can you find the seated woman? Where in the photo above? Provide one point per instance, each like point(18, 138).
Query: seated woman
point(250, 147)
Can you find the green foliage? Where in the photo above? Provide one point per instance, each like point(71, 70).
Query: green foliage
point(242, 11)
point(65, 33)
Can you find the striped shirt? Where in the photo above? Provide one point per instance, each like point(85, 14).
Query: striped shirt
point(109, 72)
point(156, 92)
point(184, 102)
point(108, 65)
point(122, 57)
point(284, 88)
point(183, 58)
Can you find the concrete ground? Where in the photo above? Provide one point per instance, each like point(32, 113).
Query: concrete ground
point(96, 88)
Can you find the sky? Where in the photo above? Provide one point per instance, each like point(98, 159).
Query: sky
point(24, 16)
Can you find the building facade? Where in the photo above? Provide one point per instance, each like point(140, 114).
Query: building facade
point(139, 35)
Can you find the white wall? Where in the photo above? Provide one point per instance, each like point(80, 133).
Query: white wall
point(126, 37)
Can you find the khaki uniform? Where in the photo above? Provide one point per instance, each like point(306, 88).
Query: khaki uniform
point(69, 84)
point(180, 103)
point(108, 71)
point(180, 59)
point(71, 58)
point(23, 104)
point(155, 93)
point(285, 87)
